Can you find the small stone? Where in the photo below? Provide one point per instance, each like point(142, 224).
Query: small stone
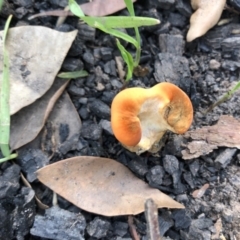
point(88, 58)
point(72, 64)
point(230, 65)
point(116, 84)
point(165, 4)
point(98, 228)
point(106, 53)
point(60, 3)
point(110, 68)
point(202, 223)
point(86, 32)
point(120, 228)
point(194, 167)
point(58, 223)
point(106, 126)
point(83, 112)
point(9, 181)
point(214, 64)
point(76, 91)
point(182, 219)
point(155, 175)
point(171, 43)
point(91, 131)
point(184, 8)
point(165, 222)
point(100, 109)
point(177, 20)
point(224, 158)
point(227, 215)
point(23, 3)
point(138, 167)
point(30, 161)
point(189, 179)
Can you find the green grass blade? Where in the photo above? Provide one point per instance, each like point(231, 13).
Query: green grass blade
point(130, 8)
point(12, 156)
point(224, 98)
point(121, 22)
point(4, 98)
point(128, 59)
point(75, 8)
point(117, 34)
point(1, 4)
point(75, 74)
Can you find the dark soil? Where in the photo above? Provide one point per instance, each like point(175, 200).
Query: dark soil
point(205, 69)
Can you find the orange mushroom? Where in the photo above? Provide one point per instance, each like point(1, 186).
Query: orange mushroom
point(140, 117)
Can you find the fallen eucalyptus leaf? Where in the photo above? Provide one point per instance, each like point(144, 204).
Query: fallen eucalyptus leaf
point(96, 8)
point(61, 130)
point(36, 54)
point(102, 186)
point(224, 134)
point(207, 14)
point(28, 122)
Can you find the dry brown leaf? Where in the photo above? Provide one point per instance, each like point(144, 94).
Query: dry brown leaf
point(102, 186)
point(61, 131)
point(103, 7)
point(207, 14)
point(28, 122)
point(39, 202)
point(224, 134)
point(95, 8)
point(36, 54)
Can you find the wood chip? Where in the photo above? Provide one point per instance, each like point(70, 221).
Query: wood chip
point(204, 140)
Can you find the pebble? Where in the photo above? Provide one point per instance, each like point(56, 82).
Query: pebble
point(98, 228)
point(224, 158)
point(58, 223)
point(214, 64)
point(155, 175)
point(30, 161)
point(106, 126)
point(100, 109)
point(91, 131)
point(138, 167)
point(181, 218)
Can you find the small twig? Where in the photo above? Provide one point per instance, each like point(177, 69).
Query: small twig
point(132, 228)
point(151, 214)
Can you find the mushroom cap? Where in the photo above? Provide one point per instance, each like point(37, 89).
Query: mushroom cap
point(140, 117)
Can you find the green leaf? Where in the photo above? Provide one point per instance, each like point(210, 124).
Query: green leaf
point(1, 4)
point(70, 75)
point(130, 8)
point(121, 22)
point(117, 34)
point(128, 59)
point(12, 156)
point(4, 98)
point(75, 8)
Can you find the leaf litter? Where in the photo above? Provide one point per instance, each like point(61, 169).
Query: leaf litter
point(102, 186)
point(24, 131)
point(204, 140)
point(32, 71)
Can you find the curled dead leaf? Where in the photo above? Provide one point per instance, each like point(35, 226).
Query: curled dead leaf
point(207, 14)
point(102, 186)
point(32, 71)
point(24, 131)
